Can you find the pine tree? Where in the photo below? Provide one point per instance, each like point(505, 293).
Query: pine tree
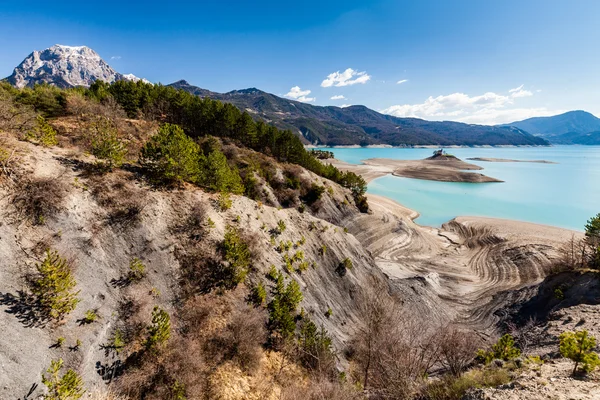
point(578, 347)
point(54, 285)
point(220, 177)
point(106, 145)
point(237, 255)
point(67, 387)
point(160, 329)
point(504, 349)
point(172, 156)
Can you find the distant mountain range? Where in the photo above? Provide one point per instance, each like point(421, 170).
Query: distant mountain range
point(65, 67)
point(573, 127)
point(360, 125)
point(68, 66)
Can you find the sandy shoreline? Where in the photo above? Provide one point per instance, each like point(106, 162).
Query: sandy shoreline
point(518, 230)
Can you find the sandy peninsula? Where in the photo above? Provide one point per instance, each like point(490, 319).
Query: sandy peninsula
point(443, 169)
point(488, 159)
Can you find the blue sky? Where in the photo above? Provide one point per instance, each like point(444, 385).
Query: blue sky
point(459, 60)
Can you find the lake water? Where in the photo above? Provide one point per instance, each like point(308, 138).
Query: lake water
point(566, 194)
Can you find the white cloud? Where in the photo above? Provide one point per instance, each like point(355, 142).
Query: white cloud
point(400, 82)
point(488, 108)
point(345, 105)
point(346, 78)
point(338, 97)
point(115, 57)
point(301, 95)
point(519, 92)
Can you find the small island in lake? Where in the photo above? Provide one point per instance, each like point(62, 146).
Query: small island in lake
point(440, 166)
point(486, 159)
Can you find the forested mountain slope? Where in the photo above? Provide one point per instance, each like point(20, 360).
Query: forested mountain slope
point(359, 125)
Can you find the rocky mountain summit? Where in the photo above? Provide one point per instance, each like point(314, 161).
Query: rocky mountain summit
point(65, 67)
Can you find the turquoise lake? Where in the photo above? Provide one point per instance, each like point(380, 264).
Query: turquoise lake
point(566, 194)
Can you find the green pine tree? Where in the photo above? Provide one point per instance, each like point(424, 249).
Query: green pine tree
point(578, 347)
point(159, 330)
point(54, 285)
point(66, 387)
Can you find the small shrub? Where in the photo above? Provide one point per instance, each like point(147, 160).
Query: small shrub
point(237, 256)
point(272, 274)
point(344, 266)
point(137, 270)
point(281, 226)
point(323, 250)
point(298, 256)
point(504, 350)
point(106, 145)
point(178, 391)
point(66, 387)
point(303, 266)
point(60, 341)
point(90, 317)
point(258, 296)
point(454, 388)
point(54, 286)
point(559, 294)
point(159, 330)
point(578, 347)
point(117, 341)
point(288, 265)
point(42, 133)
point(313, 194)
point(329, 312)
point(224, 201)
point(210, 223)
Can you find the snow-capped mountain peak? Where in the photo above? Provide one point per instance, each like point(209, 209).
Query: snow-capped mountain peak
point(65, 66)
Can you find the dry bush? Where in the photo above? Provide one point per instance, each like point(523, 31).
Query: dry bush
point(200, 266)
point(241, 339)
point(124, 203)
point(38, 199)
point(8, 161)
point(525, 335)
point(457, 348)
point(212, 331)
point(571, 256)
point(192, 225)
point(85, 108)
point(392, 351)
point(320, 389)
point(16, 117)
point(106, 395)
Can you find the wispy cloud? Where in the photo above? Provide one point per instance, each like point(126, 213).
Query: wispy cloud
point(115, 57)
point(519, 92)
point(346, 78)
point(487, 108)
point(345, 105)
point(400, 82)
point(338, 97)
point(301, 95)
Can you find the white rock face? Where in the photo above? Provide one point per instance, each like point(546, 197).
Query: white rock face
point(65, 66)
